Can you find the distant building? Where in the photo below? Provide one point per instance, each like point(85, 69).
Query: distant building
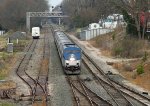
point(112, 21)
point(2, 32)
point(94, 26)
point(93, 30)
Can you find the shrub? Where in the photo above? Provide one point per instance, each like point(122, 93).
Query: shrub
point(113, 36)
point(118, 51)
point(4, 56)
point(145, 56)
point(131, 47)
point(140, 69)
point(7, 104)
point(131, 29)
point(128, 47)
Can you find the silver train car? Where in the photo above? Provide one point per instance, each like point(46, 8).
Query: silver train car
point(70, 53)
point(36, 32)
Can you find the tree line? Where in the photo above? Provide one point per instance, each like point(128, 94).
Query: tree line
point(133, 10)
point(83, 12)
point(13, 12)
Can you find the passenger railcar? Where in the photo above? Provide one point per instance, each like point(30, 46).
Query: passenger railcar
point(36, 32)
point(70, 53)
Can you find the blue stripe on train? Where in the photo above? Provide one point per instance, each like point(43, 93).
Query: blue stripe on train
point(72, 50)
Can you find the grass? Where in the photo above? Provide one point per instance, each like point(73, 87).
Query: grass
point(5, 60)
point(7, 104)
point(6, 35)
point(19, 47)
point(2, 42)
point(118, 44)
point(3, 74)
point(129, 48)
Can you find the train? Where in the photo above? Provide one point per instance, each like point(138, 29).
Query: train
point(35, 32)
point(69, 53)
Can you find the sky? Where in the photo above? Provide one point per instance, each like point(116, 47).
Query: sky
point(54, 2)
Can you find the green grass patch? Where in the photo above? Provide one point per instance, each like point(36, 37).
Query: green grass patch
point(2, 77)
point(7, 104)
point(4, 56)
point(5, 59)
point(20, 45)
point(140, 69)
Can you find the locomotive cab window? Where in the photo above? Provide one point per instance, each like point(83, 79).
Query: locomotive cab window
point(72, 51)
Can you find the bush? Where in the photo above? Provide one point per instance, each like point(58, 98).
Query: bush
point(140, 69)
point(7, 104)
point(4, 56)
point(128, 47)
point(113, 36)
point(145, 56)
point(131, 29)
point(118, 51)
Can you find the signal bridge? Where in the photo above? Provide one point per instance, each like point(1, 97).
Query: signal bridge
point(58, 15)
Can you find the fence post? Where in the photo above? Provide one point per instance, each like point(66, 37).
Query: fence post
point(17, 41)
point(96, 32)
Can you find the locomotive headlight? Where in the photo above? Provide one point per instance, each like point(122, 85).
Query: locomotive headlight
point(72, 57)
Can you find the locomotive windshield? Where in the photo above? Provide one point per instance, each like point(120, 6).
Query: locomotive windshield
point(72, 51)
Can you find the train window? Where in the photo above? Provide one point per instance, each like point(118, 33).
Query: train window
point(66, 43)
point(70, 45)
point(72, 51)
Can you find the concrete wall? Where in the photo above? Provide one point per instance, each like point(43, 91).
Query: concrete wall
point(89, 34)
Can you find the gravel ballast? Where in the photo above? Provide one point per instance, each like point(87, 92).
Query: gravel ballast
point(60, 90)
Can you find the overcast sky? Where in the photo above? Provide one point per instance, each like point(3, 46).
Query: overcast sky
point(54, 2)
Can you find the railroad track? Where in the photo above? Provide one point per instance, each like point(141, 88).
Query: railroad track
point(41, 91)
point(83, 94)
point(118, 94)
point(38, 86)
point(124, 91)
point(80, 91)
point(21, 69)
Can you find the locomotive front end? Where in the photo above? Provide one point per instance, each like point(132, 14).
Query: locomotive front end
point(72, 61)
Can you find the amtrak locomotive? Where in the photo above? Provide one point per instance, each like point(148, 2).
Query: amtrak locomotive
point(70, 53)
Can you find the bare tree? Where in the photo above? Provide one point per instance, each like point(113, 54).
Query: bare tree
point(92, 10)
point(87, 10)
point(134, 8)
point(13, 12)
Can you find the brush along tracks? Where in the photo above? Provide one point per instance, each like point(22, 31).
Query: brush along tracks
point(83, 95)
point(116, 92)
point(38, 85)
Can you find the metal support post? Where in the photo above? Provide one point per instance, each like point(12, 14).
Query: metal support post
point(59, 21)
point(28, 21)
